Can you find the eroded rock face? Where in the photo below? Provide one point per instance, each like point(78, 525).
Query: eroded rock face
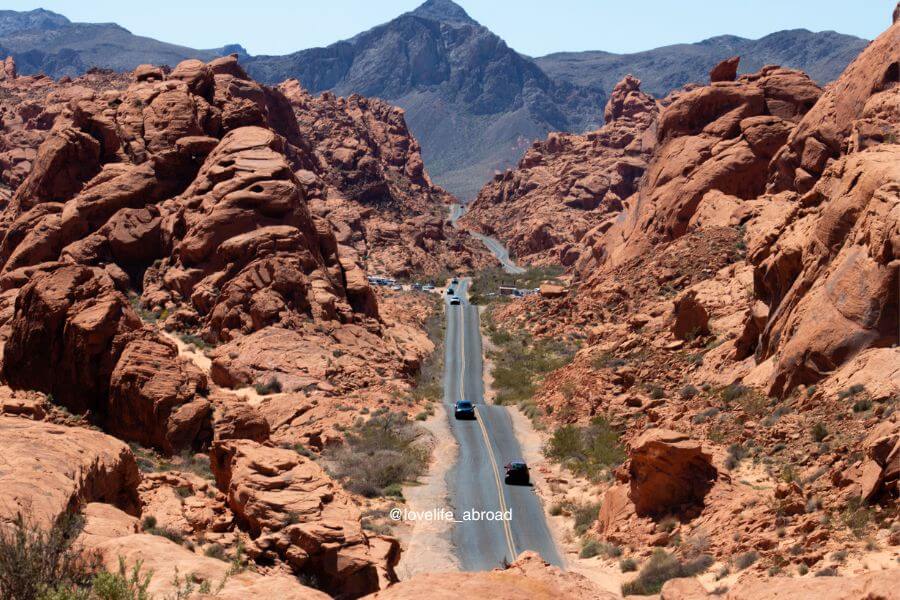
point(527, 577)
point(564, 186)
point(857, 111)
point(47, 470)
point(668, 472)
point(297, 514)
point(74, 335)
point(381, 201)
point(830, 280)
point(114, 536)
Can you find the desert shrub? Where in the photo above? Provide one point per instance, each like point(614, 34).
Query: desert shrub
point(736, 453)
point(688, 392)
point(657, 393)
point(590, 549)
point(587, 450)
point(856, 516)
point(742, 561)
point(272, 386)
point(819, 432)
point(853, 390)
point(826, 572)
point(521, 361)
point(662, 567)
point(627, 565)
point(35, 561)
point(585, 515)
point(380, 455)
point(802, 569)
point(704, 416)
point(215, 551)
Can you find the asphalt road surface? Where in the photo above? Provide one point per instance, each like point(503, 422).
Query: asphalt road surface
point(485, 445)
point(492, 244)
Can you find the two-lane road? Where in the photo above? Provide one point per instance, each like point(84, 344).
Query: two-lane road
point(485, 445)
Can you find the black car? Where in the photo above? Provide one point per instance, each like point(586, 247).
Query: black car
point(455, 281)
point(463, 409)
point(517, 473)
point(450, 291)
point(455, 301)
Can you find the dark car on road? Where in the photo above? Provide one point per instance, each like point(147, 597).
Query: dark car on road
point(517, 473)
point(455, 301)
point(463, 409)
point(450, 291)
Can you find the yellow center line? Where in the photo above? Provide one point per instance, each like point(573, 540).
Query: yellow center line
point(507, 529)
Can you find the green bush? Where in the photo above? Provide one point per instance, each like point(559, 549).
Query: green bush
point(587, 450)
point(590, 549)
point(742, 561)
point(272, 386)
point(585, 515)
point(819, 432)
point(380, 455)
point(662, 567)
point(627, 565)
point(34, 562)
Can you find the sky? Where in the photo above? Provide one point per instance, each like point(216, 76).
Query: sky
point(533, 27)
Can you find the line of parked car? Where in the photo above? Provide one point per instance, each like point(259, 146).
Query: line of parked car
point(392, 283)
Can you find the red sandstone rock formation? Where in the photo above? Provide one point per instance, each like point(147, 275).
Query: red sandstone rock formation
point(564, 186)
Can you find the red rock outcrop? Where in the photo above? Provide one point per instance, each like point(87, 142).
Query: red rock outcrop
point(379, 198)
point(295, 513)
point(528, 577)
point(73, 335)
point(113, 536)
point(564, 186)
point(47, 470)
point(668, 471)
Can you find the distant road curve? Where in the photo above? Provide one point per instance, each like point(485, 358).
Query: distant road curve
point(494, 245)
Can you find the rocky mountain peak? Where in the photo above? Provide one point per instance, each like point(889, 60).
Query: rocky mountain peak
point(445, 11)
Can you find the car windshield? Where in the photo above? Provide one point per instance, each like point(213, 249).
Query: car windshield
point(464, 404)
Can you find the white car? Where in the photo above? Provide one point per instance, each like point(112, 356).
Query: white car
point(455, 301)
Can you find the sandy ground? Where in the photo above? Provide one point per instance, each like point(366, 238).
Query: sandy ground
point(426, 544)
point(204, 363)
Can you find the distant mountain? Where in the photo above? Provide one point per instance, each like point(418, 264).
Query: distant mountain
point(823, 56)
point(46, 42)
point(473, 102)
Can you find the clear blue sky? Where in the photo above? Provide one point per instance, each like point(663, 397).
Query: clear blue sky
point(533, 27)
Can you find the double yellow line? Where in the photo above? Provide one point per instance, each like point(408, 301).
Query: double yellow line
point(507, 529)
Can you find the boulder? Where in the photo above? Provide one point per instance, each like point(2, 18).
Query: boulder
point(297, 514)
point(47, 470)
point(668, 472)
point(725, 70)
point(691, 318)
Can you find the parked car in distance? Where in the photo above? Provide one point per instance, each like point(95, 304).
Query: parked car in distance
point(517, 473)
point(427, 287)
point(455, 301)
point(455, 281)
point(463, 409)
point(450, 291)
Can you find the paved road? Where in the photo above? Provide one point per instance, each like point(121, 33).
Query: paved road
point(494, 245)
point(485, 445)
